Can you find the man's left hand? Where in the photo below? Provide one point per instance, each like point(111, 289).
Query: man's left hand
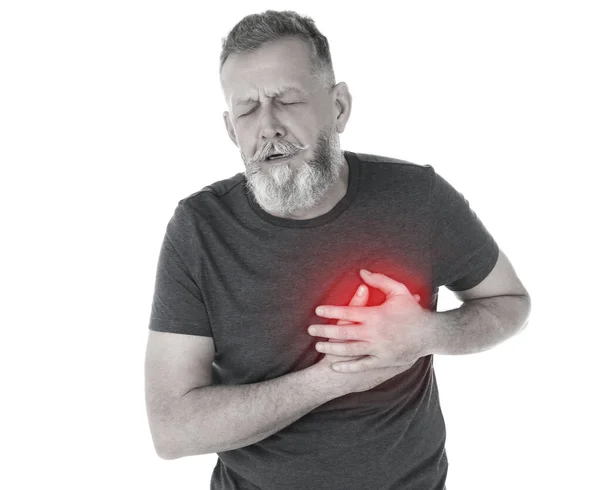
point(394, 333)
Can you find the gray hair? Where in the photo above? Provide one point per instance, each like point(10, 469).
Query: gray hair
point(254, 30)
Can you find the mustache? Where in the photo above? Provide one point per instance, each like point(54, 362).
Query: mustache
point(281, 146)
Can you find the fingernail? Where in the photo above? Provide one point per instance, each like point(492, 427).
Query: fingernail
point(361, 290)
point(367, 272)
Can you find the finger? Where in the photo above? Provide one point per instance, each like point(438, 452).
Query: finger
point(351, 313)
point(363, 364)
point(347, 349)
point(341, 332)
point(360, 298)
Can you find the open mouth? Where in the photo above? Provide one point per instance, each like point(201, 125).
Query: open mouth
point(277, 156)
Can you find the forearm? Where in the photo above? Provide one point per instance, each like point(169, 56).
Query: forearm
point(221, 418)
point(477, 325)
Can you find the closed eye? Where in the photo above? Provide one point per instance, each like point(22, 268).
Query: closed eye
point(282, 103)
point(246, 113)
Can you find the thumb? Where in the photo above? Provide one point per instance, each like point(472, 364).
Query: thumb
point(384, 283)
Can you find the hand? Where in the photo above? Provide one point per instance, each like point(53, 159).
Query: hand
point(392, 334)
point(357, 300)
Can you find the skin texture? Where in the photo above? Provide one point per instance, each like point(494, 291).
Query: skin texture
point(276, 104)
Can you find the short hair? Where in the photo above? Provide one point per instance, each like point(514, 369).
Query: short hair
point(255, 30)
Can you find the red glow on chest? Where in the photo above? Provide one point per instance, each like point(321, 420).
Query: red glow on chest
point(344, 282)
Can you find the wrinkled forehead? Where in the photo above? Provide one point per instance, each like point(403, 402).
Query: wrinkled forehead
point(278, 68)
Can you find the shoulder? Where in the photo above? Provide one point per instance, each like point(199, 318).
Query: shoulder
point(373, 158)
point(196, 210)
point(397, 170)
point(217, 189)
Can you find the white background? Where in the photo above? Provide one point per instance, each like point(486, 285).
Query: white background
point(110, 112)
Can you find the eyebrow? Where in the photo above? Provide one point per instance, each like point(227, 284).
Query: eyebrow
point(276, 93)
point(285, 89)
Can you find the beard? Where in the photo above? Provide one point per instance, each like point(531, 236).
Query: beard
point(288, 189)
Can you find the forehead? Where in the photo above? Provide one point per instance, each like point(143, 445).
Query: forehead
point(276, 67)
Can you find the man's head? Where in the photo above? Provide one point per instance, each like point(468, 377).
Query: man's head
point(279, 85)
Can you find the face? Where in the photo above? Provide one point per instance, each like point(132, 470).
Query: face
point(277, 106)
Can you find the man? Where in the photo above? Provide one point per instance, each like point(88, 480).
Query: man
point(231, 364)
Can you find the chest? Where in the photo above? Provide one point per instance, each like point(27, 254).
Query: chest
point(261, 304)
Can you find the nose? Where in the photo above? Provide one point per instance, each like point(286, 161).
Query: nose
point(270, 125)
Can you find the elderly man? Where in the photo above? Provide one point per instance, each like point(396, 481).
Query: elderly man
point(232, 366)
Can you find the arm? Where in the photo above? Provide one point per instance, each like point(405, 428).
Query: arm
point(493, 311)
point(187, 415)
point(221, 418)
point(478, 324)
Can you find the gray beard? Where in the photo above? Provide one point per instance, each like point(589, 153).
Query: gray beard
point(288, 189)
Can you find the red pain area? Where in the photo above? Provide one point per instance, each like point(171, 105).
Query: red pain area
point(343, 285)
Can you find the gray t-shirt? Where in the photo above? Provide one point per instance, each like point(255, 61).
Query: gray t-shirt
point(250, 280)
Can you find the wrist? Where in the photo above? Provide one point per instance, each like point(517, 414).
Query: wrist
point(326, 382)
point(432, 333)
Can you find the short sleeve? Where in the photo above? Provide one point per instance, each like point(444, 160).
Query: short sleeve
point(177, 304)
point(463, 252)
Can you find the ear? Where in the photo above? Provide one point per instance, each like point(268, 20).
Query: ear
point(230, 129)
point(343, 105)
